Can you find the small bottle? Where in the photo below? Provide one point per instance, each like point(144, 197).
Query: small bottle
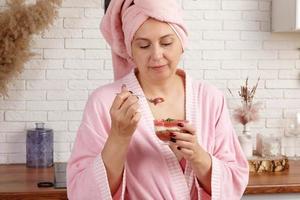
point(39, 147)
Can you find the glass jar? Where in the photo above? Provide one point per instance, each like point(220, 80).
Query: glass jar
point(268, 145)
point(39, 147)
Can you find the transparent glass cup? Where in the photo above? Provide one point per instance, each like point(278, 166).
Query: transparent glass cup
point(291, 139)
point(164, 129)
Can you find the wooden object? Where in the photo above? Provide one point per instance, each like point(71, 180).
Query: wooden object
point(271, 164)
point(20, 183)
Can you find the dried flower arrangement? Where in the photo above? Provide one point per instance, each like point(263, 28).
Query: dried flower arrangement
point(17, 25)
point(248, 112)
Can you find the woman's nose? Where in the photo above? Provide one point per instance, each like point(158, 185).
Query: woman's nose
point(157, 53)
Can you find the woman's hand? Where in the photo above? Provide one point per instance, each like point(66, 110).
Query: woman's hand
point(124, 114)
point(186, 143)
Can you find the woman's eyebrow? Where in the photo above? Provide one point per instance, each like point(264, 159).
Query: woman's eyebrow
point(162, 37)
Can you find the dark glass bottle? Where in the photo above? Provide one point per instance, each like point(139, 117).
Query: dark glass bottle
point(39, 147)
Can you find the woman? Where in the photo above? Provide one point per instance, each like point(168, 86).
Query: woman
point(117, 154)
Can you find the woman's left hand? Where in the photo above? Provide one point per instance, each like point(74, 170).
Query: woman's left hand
point(186, 143)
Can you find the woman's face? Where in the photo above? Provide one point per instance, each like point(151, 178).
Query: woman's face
point(156, 50)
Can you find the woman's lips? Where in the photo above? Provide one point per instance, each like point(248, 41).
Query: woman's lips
point(158, 67)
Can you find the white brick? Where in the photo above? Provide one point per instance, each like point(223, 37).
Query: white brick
point(265, 6)
point(259, 54)
point(81, 23)
point(61, 136)
point(74, 125)
point(289, 54)
point(26, 95)
point(218, 83)
point(221, 35)
point(48, 43)
point(46, 85)
point(63, 53)
point(193, 55)
point(67, 95)
point(292, 94)
point(61, 147)
point(1, 116)
point(252, 35)
point(70, 12)
point(236, 84)
point(268, 94)
point(61, 156)
point(100, 74)
point(3, 157)
point(66, 74)
point(197, 74)
point(193, 14)
point(271, 113)
point(221, 55)
point(206, 45)
point(204, 25)
point(76, 105)
point(263, 74)
point(222, 74)
point(37, 53)
point(16, 137)
point(201, 64)
point(283, 103)
point(28, 74)
point(239, 5)
point(239, 64)
point(274, 123)
point(256, 16)
point(12, 105)
point(63, 33)
point(289, 74)
point(16, 85)
point(58, 23)
point(47, 105)
point(195, 35)
point(290, 113)
point(25, 116)
point(83, 64)
point(223, 15)
point(282, 45)
point(56, 126)
point(298, 64)
point(2, 138)
point(85, 43)
point(93, 12)
point(284, 84)
point(201, 5)
point(98, 54)
point(17, 158)
point(64, 115)
point(89, 85)
point(43, 64)
point(92, 33)
point(81, 4)
point(241, 25)
point(242, 45)
point(108, 64)
point(276, 64)
point(12, 126)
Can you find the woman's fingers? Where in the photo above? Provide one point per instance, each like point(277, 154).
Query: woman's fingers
point(187, 128)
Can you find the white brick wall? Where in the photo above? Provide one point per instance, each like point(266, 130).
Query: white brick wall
point(229, 40)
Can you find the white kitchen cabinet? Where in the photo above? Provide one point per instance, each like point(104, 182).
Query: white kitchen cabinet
point(285, 15)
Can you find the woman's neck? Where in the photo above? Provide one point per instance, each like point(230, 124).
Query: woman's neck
point(164, 88)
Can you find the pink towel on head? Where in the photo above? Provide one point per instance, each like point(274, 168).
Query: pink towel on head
point(124, 17)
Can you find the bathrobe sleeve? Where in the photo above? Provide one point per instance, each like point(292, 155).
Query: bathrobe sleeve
point(230, 172)
point(86, 173)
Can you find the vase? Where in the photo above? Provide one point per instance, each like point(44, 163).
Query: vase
point(39, 147)
point(246, 142)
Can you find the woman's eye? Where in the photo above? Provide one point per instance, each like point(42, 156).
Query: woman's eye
point(144, 46)
point(167, 44)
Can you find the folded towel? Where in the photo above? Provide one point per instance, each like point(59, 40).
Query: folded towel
point(124, 17)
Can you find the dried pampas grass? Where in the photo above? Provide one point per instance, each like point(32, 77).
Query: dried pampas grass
point(249, 111)
point(17, 25)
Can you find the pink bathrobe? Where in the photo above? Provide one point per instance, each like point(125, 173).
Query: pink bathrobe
point(152, 171)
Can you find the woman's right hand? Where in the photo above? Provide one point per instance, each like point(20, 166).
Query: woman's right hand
point(124, 114)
